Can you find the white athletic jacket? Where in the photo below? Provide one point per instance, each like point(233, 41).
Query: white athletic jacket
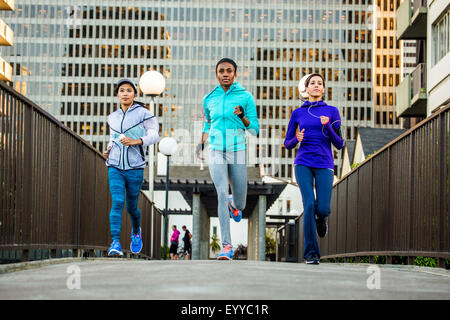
point(136, 123)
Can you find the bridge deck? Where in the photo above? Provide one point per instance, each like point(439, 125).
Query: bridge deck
point(111, 278)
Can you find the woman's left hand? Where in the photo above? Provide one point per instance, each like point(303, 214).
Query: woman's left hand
point(239, 111)
point(126, 141)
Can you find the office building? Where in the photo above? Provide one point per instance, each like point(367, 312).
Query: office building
point(387, 65)
point(427, 88)
point(6, 39)
point(69, 55)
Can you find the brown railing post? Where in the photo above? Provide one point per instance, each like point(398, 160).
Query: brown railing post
point(27, 181)
point(444, 168)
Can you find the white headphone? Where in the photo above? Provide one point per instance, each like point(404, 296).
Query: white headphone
point(302, 87)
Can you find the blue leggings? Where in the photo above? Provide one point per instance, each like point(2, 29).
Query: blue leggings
point(121, 182)
point(313, 204)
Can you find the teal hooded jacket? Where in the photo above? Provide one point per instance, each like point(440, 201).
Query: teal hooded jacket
point(226, 130)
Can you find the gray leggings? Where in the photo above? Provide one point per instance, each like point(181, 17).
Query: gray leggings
point(228, 168)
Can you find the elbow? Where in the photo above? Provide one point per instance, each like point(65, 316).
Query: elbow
point(254, 131)
point(339, 145)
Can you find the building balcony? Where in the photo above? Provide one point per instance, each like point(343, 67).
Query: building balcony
point(412, 20)
point(412, 94)
point(5, 70)
point(6, 34)
point(6, 4)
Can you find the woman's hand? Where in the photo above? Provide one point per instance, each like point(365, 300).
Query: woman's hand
point(199, 150)
point(324, 120)
point(126, 141)
point(106, 153)
point(239, 111)
point(300, 135)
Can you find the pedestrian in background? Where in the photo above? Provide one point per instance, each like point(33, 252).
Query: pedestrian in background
point(187, 243)
point(174, 243)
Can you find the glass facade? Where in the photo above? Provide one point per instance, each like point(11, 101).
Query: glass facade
point(67, 58)
point(387, 65)
point(441, 37)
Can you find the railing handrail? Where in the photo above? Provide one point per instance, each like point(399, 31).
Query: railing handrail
point(48, 115)
point(396, 140)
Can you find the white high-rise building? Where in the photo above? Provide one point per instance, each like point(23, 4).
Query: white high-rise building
point(427, 88)
point(67, 57)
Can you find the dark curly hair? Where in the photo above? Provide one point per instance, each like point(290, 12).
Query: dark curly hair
point(229, 61)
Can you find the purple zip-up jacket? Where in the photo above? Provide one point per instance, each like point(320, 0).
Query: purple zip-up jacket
point(315, 148)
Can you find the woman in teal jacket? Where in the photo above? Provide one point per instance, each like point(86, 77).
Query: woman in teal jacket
point(229, 112)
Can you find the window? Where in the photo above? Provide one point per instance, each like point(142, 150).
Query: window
point(441, 38)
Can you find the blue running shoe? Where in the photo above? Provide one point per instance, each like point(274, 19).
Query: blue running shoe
point(226, 253)
point(234, 213)
point(115, 249)
point(136, 242)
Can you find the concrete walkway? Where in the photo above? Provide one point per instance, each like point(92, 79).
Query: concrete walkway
point(110, 278)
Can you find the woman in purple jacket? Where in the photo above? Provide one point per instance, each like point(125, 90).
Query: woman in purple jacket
point(318, 126)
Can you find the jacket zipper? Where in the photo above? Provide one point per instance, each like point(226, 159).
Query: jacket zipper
point(121, 131)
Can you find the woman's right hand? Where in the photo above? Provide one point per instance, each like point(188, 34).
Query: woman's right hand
point(199, 150)
point(300, 135)
point(106, 153)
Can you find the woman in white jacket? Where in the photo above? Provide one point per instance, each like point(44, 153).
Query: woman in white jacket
point(132, 128)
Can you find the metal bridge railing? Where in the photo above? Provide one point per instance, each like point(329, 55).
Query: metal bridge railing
point(395, 203)
point(54, 195)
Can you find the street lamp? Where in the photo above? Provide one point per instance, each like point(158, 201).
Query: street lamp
point(152, 83)
point(167, 146)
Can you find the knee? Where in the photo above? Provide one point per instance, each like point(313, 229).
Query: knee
point(323, 210)
point(308, 206)
point(222, 193)
point(118, 204)
point(133, 210)
point(240, 203)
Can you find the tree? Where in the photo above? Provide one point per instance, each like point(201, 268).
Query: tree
point(270, 240)
point(215, 246)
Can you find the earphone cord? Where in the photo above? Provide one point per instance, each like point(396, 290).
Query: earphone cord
point(319, 118)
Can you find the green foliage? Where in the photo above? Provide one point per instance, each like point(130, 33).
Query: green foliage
point(354, 165)
point(364, 260)
point(380, 259)
point(426, 262)
point(167, 253)
point(369, 155)
point(403, 260)
point(270, 240)
point(400, 260)
point(215, 246)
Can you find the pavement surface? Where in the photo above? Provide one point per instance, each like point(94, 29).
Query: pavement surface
point(124, 279)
